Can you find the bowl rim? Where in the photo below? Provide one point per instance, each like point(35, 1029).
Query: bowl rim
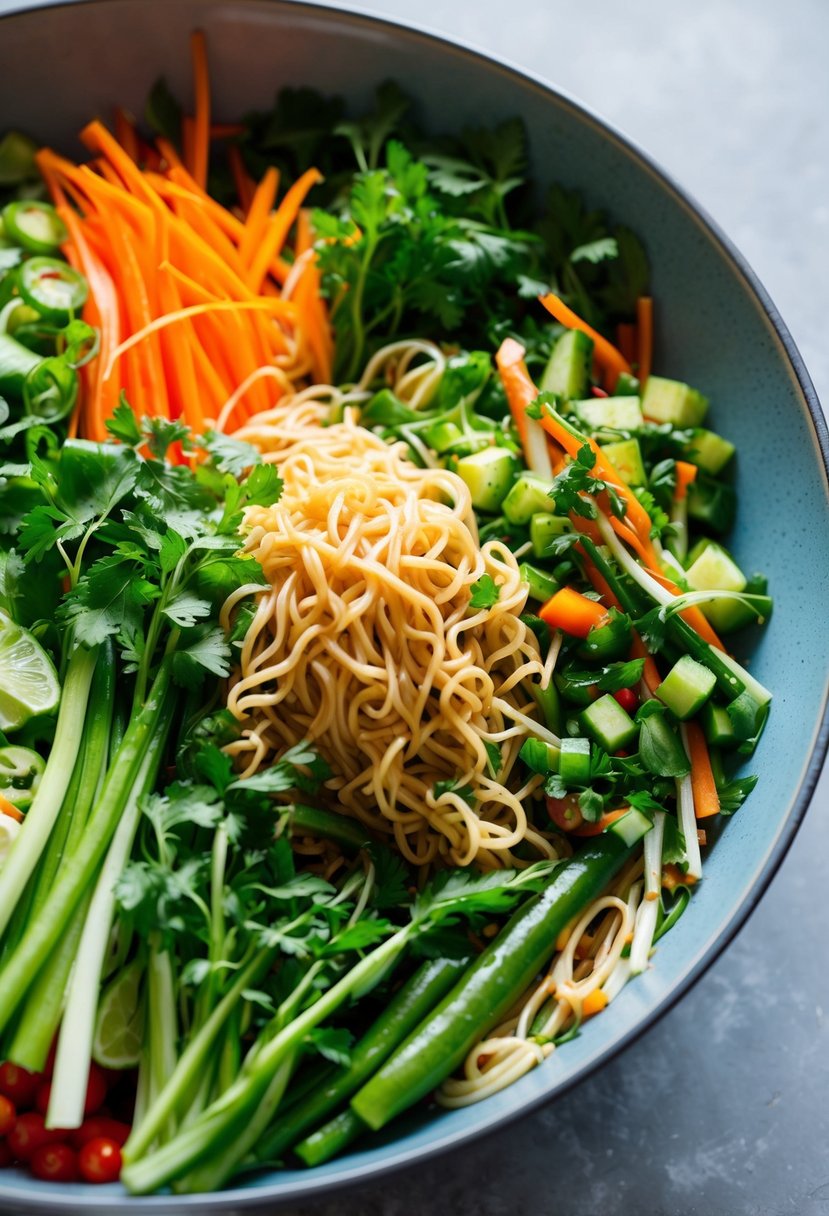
point(272, 1194)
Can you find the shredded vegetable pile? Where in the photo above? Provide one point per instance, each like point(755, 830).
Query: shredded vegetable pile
point(367, 695)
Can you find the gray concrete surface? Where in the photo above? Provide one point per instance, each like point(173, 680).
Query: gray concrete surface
point(721, 1109)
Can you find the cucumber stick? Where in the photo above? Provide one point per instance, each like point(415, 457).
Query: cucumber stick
point(496, 979)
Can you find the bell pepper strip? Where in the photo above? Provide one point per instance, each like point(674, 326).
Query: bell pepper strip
point(706, 797)
point(605, 354)
point(572, 613)
point(644, 337)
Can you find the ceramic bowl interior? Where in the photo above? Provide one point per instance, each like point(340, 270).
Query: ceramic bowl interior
point(716, 328)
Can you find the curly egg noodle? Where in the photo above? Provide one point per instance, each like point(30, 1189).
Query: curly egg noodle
point(365, 642)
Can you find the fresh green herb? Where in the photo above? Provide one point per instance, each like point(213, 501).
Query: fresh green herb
point(485, 593)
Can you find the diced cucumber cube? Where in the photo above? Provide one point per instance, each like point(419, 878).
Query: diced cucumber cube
point(489, 475)
point(686, 687)
point(626, 458)
point(574, 760)
point(539, 756)
point(712, 503)
point(627, 385)
point(568, 369)
point(541, 585)
point(709, 451)
point(530, 495)
point(610, 725)
point(672, 401)
point(713, 569)
point(613, 413)
point(717, 725)
point(545, 530)
point(441, 435)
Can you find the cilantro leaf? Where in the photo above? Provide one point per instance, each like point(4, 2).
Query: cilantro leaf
point(733, 793)
point(485, 593)
point(332, 1043)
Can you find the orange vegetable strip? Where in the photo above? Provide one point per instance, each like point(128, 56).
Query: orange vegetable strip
point(103, 307)
point(187, 138)
point(168, 152)
point(184, 397)
point(279, 226)
point(261, 205)
point(275, 305)
point(596, 829)
point(518, 386)
point(626, 341)
point(572, 612)
point(8, 808)
point(644, 330)
point(226, 130)
point(637, 517)
point(245, 185)
point(596, 1000)
point(201, 122)
point(706, 798)
point(605, 354)
point(126, 134)
point(686, 474)
point(97, 138)
point(190, 292)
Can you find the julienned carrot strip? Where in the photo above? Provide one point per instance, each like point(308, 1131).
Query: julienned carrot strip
point(686, 475)
point(626, 341)
point(518, 386)
point(706, 798)
point(644, 332)
point(636, 516)
point(96, 137)
point(693, 616)
point(279, 226)
point(283, 307)
point(572, 612)
point(103, 303)
point(595, 829)
point(201, 122)
point(261, 205)
point(169, 153)
point(126, 134)
point(606, 355)
point(245, 185)
point(8, 808)
point(185, 398)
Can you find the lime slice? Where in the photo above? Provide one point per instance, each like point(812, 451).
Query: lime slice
point(119, 1028)
point(28, 680)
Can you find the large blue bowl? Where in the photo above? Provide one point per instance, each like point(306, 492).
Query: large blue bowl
point(716, 328)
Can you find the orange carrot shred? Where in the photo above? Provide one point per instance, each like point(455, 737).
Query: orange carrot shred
point(644, 331)
point(703, 785)
point(611, 361)
point(201, 122)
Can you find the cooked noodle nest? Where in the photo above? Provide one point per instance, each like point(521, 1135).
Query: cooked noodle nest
point(365, 643)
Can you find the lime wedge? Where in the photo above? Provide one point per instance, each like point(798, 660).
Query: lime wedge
point(28, 680)
point(119, 1028)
